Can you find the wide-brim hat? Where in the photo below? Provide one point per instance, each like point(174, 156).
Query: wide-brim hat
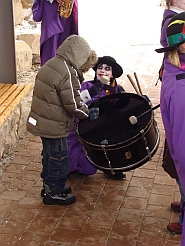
point(117, 70)
point(175, 32)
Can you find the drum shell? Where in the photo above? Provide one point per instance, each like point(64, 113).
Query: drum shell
point(127, 154)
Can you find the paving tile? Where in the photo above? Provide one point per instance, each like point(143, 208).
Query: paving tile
point(157, 211)
point(119, 240)
point(8, 239)
point(18, 184)
point(146, 238)
point(9, 176)
point(18, 159)
point(94, 234)
point(141, 181)
point(73, 222)
point(24, 215)
point(101, 217)
point(142, 192)
point(30, 202)
point(134, 203)
point(164, 179)
point(28, 152)
point(43, 224)
point(163, 189)
point(129, 214)
point(125, 229)
point(154, 225)
point(33, 238)
point(33, 145)
point(13, 228)
point(158, 199)
point(13, 195)
point(142, 172)
point(81, 209)
point(65, 235)
point(12, 167)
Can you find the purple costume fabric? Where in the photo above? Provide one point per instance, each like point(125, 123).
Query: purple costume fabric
point(54, 28)
point(77, 159)
point(173, 114)
point(164, 43)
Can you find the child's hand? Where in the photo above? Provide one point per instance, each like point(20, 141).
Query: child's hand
point(93, 113)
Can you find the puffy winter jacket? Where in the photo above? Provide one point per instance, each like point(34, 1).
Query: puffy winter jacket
point(56, 96)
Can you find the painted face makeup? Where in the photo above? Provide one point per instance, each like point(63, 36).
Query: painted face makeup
point(104, 70)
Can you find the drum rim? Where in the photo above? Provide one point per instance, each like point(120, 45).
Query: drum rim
point(135, 138)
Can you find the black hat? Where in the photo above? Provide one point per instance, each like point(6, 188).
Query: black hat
point(117, 70)
point(175, 32)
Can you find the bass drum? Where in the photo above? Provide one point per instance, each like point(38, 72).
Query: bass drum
point(111, 142)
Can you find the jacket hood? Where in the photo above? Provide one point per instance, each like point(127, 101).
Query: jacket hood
point(74, 50)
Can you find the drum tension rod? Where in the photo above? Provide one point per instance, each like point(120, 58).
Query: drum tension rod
point(146, 146)
point(105, 153)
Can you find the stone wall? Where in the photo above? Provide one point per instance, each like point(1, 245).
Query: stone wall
point(17, 123)
point(22, 11)
point(27, 36)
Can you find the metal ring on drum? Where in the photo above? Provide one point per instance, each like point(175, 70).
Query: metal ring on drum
point(111, 142)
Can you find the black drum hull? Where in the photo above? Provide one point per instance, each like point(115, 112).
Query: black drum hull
point(112, 142)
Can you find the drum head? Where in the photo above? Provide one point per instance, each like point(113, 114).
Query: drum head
point(113, 123)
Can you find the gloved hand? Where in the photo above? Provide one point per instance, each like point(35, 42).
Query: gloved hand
point(94, 90)
point(93, 113)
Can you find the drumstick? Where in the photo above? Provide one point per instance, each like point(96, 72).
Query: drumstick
point(133, 84)
point(138, 84)
point(133, 119)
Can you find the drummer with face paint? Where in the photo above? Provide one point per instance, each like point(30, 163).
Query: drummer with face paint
point(108, 69)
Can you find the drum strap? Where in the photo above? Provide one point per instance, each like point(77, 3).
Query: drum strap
point(180, 76)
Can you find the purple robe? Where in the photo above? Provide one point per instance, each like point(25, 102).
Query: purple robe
point(77, 159)
point(54, 28)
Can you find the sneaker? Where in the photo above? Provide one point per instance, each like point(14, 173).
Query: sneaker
point(176, 206)
point(175, 228)
point(67, 190)
point(61, 199)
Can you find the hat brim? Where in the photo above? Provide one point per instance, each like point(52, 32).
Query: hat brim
point(169, 48)
point(117, 69)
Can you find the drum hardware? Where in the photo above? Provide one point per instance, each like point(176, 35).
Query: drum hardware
point(133, 119)
point(106, 156)
point(146, 145)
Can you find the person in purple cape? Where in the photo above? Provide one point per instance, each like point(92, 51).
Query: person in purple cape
point(172, 98)
point(108, 67)
point(54, 28)
point(173, 7)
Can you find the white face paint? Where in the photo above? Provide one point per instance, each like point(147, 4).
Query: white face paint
point(104, 70)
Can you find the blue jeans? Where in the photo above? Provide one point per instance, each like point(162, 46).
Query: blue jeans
point(181, 201)
point(55, 163)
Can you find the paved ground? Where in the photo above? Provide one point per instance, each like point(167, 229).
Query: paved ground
point(108, 212)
